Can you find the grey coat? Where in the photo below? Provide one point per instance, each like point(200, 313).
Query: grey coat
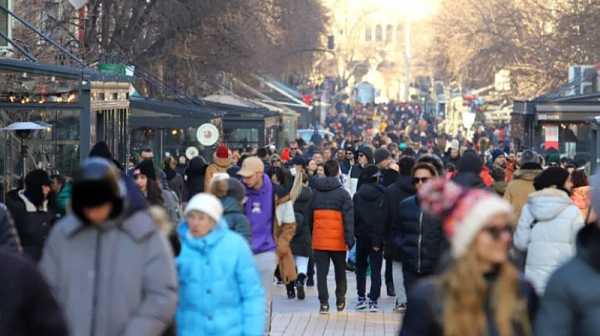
point(116, 279)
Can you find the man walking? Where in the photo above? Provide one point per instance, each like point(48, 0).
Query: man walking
point(260, 210)
point(370, 211)
point(330, 215)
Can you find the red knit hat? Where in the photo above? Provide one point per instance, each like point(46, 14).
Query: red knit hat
point(464, 211)
point(223, 152)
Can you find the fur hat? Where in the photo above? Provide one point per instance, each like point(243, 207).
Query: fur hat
point(206, 203)
point(464, 211)
point(145, 167)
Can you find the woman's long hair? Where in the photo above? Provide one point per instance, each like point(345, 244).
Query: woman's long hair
point(154, 193)
point(464, 294)
point(297, 186)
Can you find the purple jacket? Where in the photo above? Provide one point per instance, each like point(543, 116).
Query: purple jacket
point(259, 210)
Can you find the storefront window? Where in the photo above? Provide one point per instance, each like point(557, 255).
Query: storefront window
point(241, 137)
point(573, 139)
point(33, 88)
point(55, 148)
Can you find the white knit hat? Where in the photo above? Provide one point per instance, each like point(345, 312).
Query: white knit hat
point(465, 211)
point(207, 204)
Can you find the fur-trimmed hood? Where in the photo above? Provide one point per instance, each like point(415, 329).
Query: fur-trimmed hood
point(548, 203)
point(526, 174)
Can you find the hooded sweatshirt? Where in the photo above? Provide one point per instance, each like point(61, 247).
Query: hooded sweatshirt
point(547, 229)
point(519, 189)
point(259, 210)
point(353, 183)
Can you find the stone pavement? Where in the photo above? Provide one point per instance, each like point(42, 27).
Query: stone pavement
point(294, 317)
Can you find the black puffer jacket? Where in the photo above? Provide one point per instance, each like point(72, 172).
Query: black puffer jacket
point(9, 239)
point(195, 176)
point(370, 211)
point(388, 177)
point(420, 238)
point(301, 244)
point(27, 305)
point(33, 225)
point(396, 193)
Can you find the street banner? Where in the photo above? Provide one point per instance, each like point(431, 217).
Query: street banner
point(551, 137)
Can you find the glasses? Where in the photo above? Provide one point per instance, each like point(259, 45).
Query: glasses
point(552, 164)
point(276, 160)
point(349, 153)
point(361, 155)
point(496, 232)
point(416, 180)
point(293, 148)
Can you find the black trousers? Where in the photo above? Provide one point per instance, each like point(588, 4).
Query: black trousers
point(364, 250)
point(389, 277)
point(322, 261)
point(311, 268)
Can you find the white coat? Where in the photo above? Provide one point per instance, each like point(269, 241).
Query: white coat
point(547, 229)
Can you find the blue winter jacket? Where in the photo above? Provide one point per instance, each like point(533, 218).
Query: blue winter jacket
point(220, 288)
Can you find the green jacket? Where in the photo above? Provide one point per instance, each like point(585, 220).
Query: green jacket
point(63, 199)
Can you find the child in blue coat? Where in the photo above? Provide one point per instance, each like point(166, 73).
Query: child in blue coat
point(220, 290)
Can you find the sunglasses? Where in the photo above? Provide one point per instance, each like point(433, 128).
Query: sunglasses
point(416, 180)
point(349, 153)
point(496, 232)
point(293, 148)
point(361, 155)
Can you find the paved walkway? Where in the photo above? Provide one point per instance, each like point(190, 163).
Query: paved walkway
point(294, 317)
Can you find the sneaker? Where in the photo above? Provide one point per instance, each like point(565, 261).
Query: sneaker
point(373, 306)
point(291, 294)
point(324, 308)
point(310, 282)
point(362, 303)
point(400, 308)
point(390, 290)
point(300, 287)
point(341, 306)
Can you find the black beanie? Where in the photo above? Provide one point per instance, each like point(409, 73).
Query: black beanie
point(381, 154)
point(146, 167)
point(470, 162)
point(553, 177)
point(100, 149)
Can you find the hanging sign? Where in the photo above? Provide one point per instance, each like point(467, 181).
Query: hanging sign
point(551, 137)
point(207, 134)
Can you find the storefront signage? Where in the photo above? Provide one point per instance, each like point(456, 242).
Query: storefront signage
point(207, 134)
point(548, 117)
point(551, 137)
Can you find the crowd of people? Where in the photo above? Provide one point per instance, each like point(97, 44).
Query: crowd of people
point(472, 236)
